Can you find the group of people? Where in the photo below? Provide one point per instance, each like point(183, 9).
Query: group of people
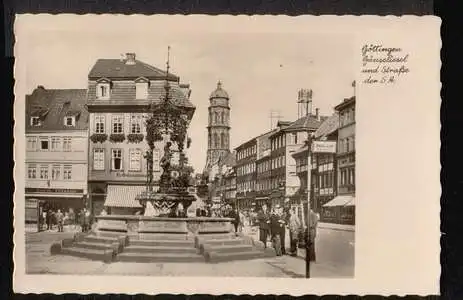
point(273, 225)
point(49, 218)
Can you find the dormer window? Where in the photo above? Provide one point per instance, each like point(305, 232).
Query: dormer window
point(141, 86)
point(70, 121)
point(35, 121)
point(103, 89)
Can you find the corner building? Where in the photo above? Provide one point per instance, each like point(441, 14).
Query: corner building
point(56, 150)
point(119, 94)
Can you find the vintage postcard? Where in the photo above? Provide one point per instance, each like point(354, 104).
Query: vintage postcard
point(227, 154)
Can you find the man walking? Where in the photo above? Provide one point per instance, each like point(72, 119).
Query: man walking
point(264, 224)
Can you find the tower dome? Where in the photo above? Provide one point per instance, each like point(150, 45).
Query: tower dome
point(219, 92)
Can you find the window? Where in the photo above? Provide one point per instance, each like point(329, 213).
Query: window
point(31, 143)
point(99, 124)
point(55, 143)
point(98, 159)
point(102, 91)
point(67, 172)
point(347, 144)
point(43, 172)
point(44, 144)
point(35, 121)
point(141, 90)
point(32, 171)
point(293, 138)
point(135, 123)
point(55, 172)
point(67, 146)
point(135, 160)
point(118, 121)
point(69, 121)
point(116, 159)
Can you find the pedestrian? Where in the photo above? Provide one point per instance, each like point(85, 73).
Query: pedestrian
point(264, 224)
point(295, 227)
point(60, 220)
point(87, 220)
point(44, 220)
point(282, 229)
point(313, 233)
point(241, 221)
point(49, 219)
point(275, 231)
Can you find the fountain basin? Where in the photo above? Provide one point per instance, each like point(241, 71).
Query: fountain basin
point(139, 226)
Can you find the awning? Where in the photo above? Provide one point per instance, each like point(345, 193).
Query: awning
point(340, 201)
point(123, 195)
point(352, 202)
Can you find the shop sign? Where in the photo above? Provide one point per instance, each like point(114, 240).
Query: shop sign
point(57, 191)
point(323, 147)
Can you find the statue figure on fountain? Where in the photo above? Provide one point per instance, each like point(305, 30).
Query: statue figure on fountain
point(165, 165)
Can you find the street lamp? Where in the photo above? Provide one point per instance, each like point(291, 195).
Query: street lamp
point(308, 241)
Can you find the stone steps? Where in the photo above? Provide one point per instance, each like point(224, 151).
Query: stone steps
point(92, 245)
point(163, 236)
point(92, 254)
point(223, 242)
point(166, 243)
point(226, 248)
point(159, 257)
point(100, 239)
point(159, 249)
point(215, 257)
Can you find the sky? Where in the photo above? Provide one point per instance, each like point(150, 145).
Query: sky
point(261, 71)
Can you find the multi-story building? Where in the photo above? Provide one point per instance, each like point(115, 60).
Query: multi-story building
point(324, 177)
point(246, 155)
point(284, 142)
point(120, 92)
point(263, 171)
point(346, 162)
point(221, 172)
point(56, 152)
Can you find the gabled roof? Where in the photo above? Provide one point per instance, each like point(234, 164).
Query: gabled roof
point(345, 103)
point(328, 126)
point(58, 103)
point(304, 123)
point(118, 69)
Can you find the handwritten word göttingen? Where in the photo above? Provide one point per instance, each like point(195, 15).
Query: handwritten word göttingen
point(383, 64)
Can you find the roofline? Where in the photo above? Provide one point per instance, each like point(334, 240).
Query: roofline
point(346, 102)
point(112, 78)
point(242, 145)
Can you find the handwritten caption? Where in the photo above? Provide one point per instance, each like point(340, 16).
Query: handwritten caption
point(383, 65)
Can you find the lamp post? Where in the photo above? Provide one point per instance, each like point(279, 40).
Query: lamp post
point(308, 242)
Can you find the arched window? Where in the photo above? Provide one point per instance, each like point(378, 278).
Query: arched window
point(216, 118)
point(222, 118)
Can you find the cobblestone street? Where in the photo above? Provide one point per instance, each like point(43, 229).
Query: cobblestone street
point(335, 258)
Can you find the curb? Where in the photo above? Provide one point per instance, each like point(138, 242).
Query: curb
point(326, 226)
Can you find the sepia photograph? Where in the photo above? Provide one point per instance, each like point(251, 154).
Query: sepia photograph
point(154, 163)
point(206, 150)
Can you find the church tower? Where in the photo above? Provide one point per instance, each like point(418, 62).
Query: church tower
point(218, 129)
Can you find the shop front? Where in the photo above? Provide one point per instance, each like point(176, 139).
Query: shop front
point(340, 210)
point(54, 199)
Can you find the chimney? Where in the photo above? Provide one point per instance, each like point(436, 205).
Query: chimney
point(130, 58)
point(317, 114)
point(40, 87)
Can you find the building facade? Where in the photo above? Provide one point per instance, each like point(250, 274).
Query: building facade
point(56, 150)
point(286, 141)
point(346, 160)
point(119, 94)
point(218, 129)
point(324, 169)
point(246, 175)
